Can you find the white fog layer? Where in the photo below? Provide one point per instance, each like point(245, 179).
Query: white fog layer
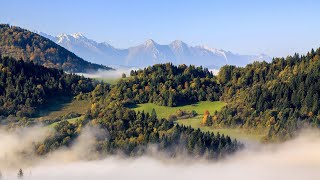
point(112, 74)
point(293, 160)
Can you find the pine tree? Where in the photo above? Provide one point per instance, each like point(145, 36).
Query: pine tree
point(153, 114)
point(20, 174)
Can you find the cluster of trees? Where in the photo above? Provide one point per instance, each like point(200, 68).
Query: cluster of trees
point(63, 135)
point(131, 133)
point(28, 46)
point(167, 85)
point(282, 95)
point(182, 114)
point(25, 86)
point(207, 119)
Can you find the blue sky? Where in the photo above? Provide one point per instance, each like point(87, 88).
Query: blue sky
point(274, 27)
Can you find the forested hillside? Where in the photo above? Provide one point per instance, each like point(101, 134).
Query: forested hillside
point(168, 85)
point(282, 95)
point(23, 44)
point(25, 86)
point(131, 134)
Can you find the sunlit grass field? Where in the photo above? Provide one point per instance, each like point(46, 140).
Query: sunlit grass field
point(233, 133)
point(200, 107)
point(63, 106)
point(111, 81)
point(165, 111)
point(72, 120)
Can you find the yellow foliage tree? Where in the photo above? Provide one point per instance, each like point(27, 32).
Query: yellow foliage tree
point(205, 117)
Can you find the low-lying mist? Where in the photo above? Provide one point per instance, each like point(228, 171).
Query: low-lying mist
point(295, 159)
point(111, 74)
point(118, 71)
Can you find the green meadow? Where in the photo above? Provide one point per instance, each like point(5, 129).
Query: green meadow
point(111, 81)
point(200, 107)
point(232, 132)
point(165, 111)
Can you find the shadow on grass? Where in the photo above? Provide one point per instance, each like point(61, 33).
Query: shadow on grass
point(54, 104)
point(195, 104)
point(132, 106)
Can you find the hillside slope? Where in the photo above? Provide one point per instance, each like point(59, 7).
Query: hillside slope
point(282, 96)
point(26, 45)
point(25, 86)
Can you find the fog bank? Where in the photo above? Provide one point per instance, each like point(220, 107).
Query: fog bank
point(112, 74)
point(296, 159)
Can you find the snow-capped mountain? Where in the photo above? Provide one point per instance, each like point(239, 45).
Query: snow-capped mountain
point(150, 53)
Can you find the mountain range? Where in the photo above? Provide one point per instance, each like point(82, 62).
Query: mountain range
point(150, 52)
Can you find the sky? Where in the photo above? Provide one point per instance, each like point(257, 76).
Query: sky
point(277, 28)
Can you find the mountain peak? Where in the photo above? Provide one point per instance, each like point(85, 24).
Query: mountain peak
point(150, 42)
point(62, 35)
point(178, 44)
point(78, 35)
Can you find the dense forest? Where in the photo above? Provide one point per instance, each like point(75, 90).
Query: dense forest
point(167, 85)
point(282, 95)
point(131, 133)
point(25, 86)
point(28, 46)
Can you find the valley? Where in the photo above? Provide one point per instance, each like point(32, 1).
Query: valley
point(159, 90)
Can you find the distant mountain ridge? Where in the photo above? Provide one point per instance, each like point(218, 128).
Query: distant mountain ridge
point(22, 44)
point(150, 53)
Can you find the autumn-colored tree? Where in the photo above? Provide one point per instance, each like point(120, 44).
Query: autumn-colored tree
point(205, 117)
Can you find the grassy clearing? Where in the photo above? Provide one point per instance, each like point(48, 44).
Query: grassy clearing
point(72, 120)
point(165, 112)
point(111, 81)
point(233, 133)
point(61, 107)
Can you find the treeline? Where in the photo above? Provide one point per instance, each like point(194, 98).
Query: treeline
point(28, 46)
point(282, 95)
point(24, 86)
point(167, 85)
